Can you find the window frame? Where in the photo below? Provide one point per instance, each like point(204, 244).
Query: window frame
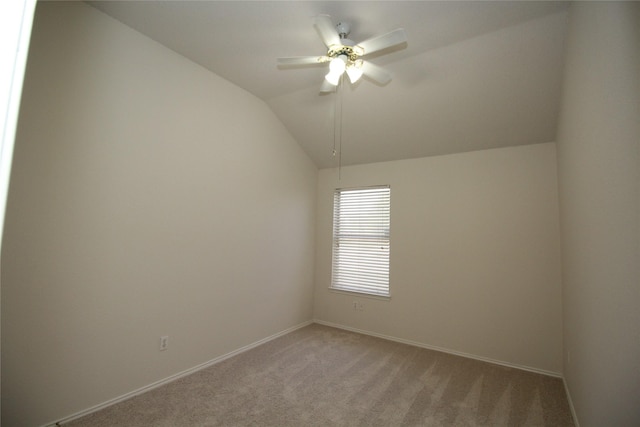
point(361, 222)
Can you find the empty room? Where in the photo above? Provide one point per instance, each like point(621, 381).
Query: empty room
point(292, 213)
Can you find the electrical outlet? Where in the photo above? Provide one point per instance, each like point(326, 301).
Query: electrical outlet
point(355, 305)
point(164, 343)
point(360, 307)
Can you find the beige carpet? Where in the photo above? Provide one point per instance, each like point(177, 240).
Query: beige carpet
point(322, 376)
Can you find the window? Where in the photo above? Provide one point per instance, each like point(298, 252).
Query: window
point(361, 221)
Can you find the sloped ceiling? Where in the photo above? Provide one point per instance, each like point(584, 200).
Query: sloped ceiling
point(473, 75)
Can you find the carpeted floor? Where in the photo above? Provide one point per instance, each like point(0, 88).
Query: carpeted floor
point(322, 376)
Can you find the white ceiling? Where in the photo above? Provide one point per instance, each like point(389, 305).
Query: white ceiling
point(473, 75)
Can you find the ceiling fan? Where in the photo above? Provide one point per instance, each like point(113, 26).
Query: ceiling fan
point(344, 55)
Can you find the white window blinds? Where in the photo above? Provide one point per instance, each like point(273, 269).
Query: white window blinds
point(361, 222)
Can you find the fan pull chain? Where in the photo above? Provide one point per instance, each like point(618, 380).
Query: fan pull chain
point(337, 126)
point(335, 121)
point(341, 89)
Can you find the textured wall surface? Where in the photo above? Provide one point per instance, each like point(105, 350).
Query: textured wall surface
point(149, 197)
point(475, 255)
point(599, 176)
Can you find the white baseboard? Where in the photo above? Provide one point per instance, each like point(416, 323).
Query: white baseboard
point(175, 376)
point(440, 349)
point(573, 409)
point(291, 329)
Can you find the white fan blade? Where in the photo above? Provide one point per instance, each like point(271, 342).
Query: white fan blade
point(327, 87)
point(326, 30)
point(303, 60)
point(384, 41)
point(375, 73)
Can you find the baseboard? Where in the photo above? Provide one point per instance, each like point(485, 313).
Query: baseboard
point(573, 409)
point(175, 376)
point(291, 329)
point(440, 349)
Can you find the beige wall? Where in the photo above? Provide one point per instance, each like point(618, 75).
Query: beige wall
point(149, 197)
point(599, 176)
point(475, 255)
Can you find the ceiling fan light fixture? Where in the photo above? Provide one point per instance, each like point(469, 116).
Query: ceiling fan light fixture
point(338, 64)
point(354, 71)
point(333, 78)
point(337, 67)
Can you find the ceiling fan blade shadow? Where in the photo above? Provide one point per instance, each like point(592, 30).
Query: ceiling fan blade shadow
point(303, 60)
point(384, 41)
point(375, 73)
point(326, 30)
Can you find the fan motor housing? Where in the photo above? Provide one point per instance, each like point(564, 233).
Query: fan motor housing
point(343, 29)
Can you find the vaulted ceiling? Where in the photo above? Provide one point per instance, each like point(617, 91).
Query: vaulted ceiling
point(472, 76)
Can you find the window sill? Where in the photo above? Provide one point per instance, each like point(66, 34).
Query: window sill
point(360, 294)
